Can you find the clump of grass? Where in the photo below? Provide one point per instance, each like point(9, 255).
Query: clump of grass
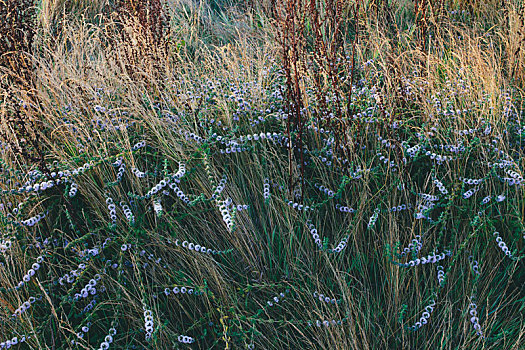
point(144, 29)
point(17, 31)
point(167, 218)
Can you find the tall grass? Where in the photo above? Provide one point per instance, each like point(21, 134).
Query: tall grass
point(212, 194)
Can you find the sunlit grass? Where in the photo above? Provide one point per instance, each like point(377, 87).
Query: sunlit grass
point(166, 211)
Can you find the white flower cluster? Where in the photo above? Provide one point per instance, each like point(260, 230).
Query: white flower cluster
point(344, 209)
point(78, 171)
point(428, 197)
point(327, 191)
point(276, 300)
point(31, 272)
point(90, 306)
point(32, 221)
point(511, 181)
point(452, 148)
point(121, 170)
point(266, 188)
point(515, 178)
point(317, 129)
point(500, 198)
point(112, 210)
point(225, 213)
point(342, 245)
point(358, 173)
point(138, 145)
point(117, 162)
point(412, 151)
point(385, 142)
point(441, 275)
point(73, 189)
point(262, 136)
point(44, 185)
point(99, 108)
point(125, 247)
point(471, 181)
point(486, 199)
point(503, 163)
point(72, 275)
point(240, 207)
point(91, 252)
point(82, 332)
point(182, 290)
point(373, 218)
point(45, 243)
point(25, 306)
point(465, 131)
point(232, 149)
point(60, 177)
point(5, 245)
point(108, 339)
point(13, 341)
point(401, 207)
point(157, 207)
point(326, 323)
point(326, 299)
point(185, 339)
point(148, 323)
point(127, 212)
point(474, 319)
point(430, 259)
point(315, 235)
point(220, 187)
point(503, 246)
point(191, 136)
point(439, 157)
point(441, 187)
point(151, 257)
point(474, 265)
point(415, 246)
point(385, 160)
point(470, 192)
point(138, 173)
point(426, 205)
point(180, 173)
point(325, 160)
point(179, 193)
point(89, 288)
point(299, 206)
point(424, 316)
point(196, 247)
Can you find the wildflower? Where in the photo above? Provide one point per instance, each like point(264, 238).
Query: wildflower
point(185, 339)
point(474, 319)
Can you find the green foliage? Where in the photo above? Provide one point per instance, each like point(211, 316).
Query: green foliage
point(169, 213)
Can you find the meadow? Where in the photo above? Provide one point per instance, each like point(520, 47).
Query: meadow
point(221, 174)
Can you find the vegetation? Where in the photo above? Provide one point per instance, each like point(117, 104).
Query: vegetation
point(260, 174)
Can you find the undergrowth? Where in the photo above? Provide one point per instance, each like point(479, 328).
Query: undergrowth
point(328, 175)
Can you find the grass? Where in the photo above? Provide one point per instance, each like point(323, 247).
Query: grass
point(120, 157)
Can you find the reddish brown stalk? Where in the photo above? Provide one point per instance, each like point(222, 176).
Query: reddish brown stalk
point(313, 34)
point(17, 29)
point(25, 137)
point(421, 22)
point(352, 77)
point(149, 41)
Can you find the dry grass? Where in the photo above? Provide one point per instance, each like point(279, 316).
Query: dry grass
point(88, 74)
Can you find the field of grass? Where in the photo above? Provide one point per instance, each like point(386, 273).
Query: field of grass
point(303, 174)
